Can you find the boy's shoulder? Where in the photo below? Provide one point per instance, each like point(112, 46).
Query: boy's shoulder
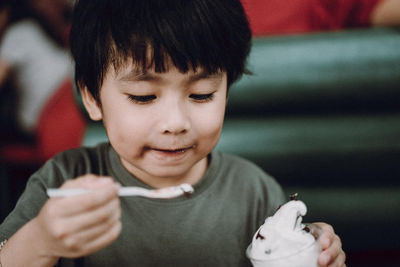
point(247, 181)
point(238, 164)
point(242, 170)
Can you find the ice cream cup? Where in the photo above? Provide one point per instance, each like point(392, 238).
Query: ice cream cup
point(306, 257)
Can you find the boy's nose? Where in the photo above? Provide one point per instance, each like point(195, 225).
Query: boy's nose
point(174, 120)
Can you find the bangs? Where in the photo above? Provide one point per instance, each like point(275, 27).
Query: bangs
point(210, 34)
point(145, 56)
point(160, 36)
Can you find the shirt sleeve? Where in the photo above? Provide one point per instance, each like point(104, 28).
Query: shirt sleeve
point(28, 206)
point(16, 42)
point(32, 199)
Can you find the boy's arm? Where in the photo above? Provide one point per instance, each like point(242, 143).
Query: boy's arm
point(24, 249)
point(68, 227)
point(386, 13)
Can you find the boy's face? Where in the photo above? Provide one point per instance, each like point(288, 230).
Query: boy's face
point(162, 125)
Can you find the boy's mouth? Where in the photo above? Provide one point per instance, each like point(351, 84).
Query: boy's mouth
point(172, 151)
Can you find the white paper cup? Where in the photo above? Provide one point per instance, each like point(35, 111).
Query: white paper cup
point(306, 257)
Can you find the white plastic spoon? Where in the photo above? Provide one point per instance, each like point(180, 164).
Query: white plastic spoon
point(166, 192)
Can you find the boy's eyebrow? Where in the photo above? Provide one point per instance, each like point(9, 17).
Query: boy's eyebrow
point(138, 75)
point(205, 75)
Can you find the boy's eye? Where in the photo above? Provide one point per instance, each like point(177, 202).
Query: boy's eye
point(141, 99)
point(202, 97)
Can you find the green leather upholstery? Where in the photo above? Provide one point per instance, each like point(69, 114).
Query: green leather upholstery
point(329, 71)
point(316, 100)
point(321, 113)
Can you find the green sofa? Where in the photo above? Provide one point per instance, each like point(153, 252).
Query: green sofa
point(321, 113)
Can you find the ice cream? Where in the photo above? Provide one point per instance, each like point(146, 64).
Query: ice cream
point(284, 241)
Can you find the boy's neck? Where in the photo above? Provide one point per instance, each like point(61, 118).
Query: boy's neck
point(192, 177)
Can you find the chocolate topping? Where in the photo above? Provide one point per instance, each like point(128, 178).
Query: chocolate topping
point(259, 235)
point(188, 194)
point(294, 196)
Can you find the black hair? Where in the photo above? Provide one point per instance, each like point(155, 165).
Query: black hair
point(211, 34)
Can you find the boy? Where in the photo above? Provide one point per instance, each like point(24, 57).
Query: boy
point(157, 74)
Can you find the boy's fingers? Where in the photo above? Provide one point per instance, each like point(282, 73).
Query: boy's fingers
point(97, 229)
point(325, 227)
point(330, 255)
point(85, 222)
point(91, 240)
point(79, 181)
point(95, 232)
point(73, 205)
point(339, 261)
point(105, 239)
point(77, 241)
point(73, 232)
point(98, 216)
point(88, 181)
point(97, 197)
point(327, 236)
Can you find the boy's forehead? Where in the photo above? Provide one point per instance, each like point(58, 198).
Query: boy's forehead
point(130, 67)
point(134, 72)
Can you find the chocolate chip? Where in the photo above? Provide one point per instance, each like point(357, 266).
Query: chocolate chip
point(294, 196)
point(259, 235)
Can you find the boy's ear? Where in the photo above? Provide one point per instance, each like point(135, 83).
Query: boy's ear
point(91, 105)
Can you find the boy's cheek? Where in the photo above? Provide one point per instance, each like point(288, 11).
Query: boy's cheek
point(120, 128)
point(210, 138)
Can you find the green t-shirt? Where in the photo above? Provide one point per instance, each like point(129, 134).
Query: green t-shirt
point(213, 227)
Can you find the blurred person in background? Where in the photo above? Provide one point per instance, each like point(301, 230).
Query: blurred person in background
point(4, 17)
point(38, 112)
point(55, 17)
point(4, 20)
point(273, 17)
point(7, 96)
point(33, 54)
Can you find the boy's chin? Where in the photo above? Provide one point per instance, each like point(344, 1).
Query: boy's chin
point(163, 173)
point(169, 173)
point(163, 176)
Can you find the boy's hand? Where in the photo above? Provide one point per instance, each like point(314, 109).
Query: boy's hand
point(332, 254)
point(80, 225)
